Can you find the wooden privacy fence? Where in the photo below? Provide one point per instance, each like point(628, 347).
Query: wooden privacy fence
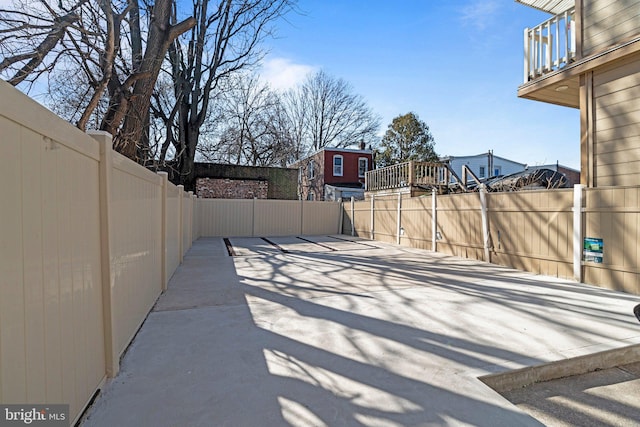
point(259, 217)
point(542, 231)
point(88, 240)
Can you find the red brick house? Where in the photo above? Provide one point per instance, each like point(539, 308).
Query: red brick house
point(334, 174)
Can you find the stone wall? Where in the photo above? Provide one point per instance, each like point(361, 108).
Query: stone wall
point(221, 188)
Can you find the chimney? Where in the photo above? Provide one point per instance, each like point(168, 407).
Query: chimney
point(362, 145)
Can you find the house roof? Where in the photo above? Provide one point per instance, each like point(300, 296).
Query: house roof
point(449, 158)
point(554, 7)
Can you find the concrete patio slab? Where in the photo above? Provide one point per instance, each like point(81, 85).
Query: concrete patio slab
point(380, 336)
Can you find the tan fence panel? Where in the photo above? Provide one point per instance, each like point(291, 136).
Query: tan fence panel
point(187, 215)
point(221, 217)
point(51, 325)
point(136, 246)
point(416, 222)
point(460, 225)
point(278, 217)
point(613, 214)
point(173, 230)
point(362, 219)
point(531, 230)
point(320, 218)
point(385, 220)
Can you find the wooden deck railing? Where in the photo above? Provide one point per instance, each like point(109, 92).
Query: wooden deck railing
point(408, 174)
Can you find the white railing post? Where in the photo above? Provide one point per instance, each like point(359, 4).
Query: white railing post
point(577, 232)
point(527, 58)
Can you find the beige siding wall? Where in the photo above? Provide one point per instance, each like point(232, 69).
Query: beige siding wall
point(82, 250)
point(606, 23)
point(238, 218)
point(617, 123)
point(613, 215)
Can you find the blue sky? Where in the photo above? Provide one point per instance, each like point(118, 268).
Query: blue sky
point(456, 63)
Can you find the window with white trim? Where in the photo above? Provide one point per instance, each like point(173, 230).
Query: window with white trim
point(482, 172)
point(338, 162)
point(311, 172)
point(363, 166)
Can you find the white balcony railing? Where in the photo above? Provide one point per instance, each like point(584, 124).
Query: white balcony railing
point(550, 46)
point(408, 174)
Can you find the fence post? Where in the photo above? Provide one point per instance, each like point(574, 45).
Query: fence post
point(485, 223)
point(301, 216)
point(190, 222)
point(112, 360)
point(399, 219)
point(181, 223)
point(353, 216)
point(165, 228)
point(434, 220)
point(372, 234)
point(577, 232)
point(253, 217)
point(341, 223)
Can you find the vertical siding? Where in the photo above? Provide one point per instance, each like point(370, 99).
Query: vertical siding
point(606, 23)
point(51, 329)
point(617, 123)
point(135, 246)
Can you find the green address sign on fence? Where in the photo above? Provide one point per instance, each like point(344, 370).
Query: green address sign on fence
point(593, 249)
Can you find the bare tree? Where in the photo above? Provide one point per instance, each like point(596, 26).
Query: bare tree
point(331, 114)
point(225, 40)
point(99, 43)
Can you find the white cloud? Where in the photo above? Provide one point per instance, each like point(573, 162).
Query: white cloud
point(282, 73)
point(480, 13)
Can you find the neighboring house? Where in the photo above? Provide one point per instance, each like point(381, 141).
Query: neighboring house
point(587, 56)
point(334, 173)
point(484, 166)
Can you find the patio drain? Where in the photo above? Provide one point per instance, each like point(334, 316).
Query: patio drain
point(275, 245)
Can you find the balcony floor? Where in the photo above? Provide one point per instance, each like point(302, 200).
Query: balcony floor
point(340, 331)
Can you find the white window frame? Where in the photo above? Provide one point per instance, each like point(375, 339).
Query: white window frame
point(481, 172)
point(339, 168)
point(311, 170)
point(366, 166)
